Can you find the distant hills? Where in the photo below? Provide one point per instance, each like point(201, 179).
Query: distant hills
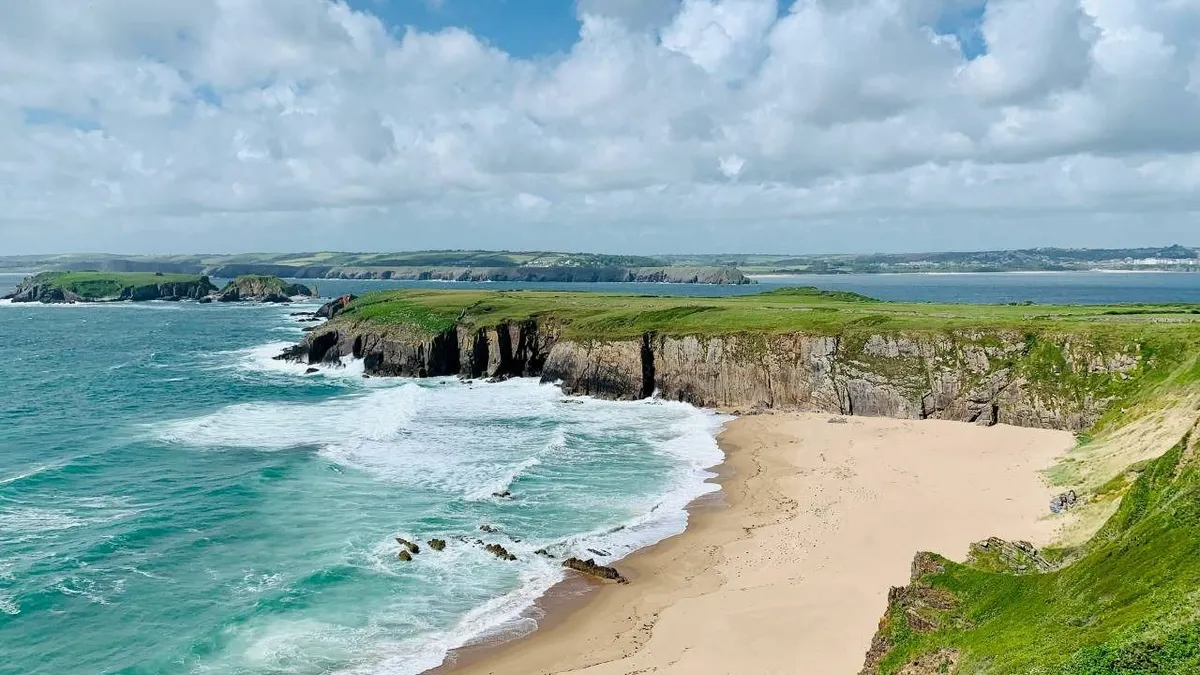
point(591, 267)
point(418, 265)
point(1180, 258)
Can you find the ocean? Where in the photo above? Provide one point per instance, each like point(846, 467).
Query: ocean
point(173, 500)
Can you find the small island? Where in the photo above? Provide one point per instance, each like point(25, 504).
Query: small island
point(68, 287)
point(260, 288)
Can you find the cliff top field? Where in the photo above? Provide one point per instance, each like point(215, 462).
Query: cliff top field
point(606, 316)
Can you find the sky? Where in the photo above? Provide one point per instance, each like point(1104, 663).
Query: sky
point(623, 126)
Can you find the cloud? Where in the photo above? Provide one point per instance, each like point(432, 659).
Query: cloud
point(729, 124)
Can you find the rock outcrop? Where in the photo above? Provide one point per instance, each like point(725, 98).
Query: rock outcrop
point(590, 568)
point(921, 607)
point(986, 377)
point(499, 551)
point(331, 308)
point(261, 289)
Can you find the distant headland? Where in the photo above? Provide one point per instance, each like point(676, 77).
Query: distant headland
point(93, 286)
point(545, 266)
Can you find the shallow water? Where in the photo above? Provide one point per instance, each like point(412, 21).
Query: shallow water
point(174, 501)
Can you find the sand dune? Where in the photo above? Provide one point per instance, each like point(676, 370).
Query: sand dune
point(791, 574)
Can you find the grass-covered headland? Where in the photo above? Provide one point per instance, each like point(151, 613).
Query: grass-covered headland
point(1121, 598)
point(110, 286)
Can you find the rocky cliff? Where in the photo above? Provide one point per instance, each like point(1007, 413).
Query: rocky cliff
point(984, 377)
point(258, 288)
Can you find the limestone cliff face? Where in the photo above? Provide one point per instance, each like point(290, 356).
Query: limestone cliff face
point(983, 377)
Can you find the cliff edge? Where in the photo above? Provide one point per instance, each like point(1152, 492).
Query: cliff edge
point(838, 354)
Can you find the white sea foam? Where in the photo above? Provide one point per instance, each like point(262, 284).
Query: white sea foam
point(260, 359)
point(376, 415)
point(469, 441)
point(9, 606)
point(41, 468)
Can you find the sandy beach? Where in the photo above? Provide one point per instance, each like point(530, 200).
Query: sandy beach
point(790, 574)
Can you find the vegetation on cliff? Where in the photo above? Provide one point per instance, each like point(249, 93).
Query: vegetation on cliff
point(50, 287)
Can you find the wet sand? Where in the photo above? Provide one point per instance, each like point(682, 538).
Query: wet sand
point(789, 575)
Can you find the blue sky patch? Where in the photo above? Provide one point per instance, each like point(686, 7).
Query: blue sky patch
point(523, 28)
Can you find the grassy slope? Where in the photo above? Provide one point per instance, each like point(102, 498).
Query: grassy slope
point(108, 284)
point(1130, 603)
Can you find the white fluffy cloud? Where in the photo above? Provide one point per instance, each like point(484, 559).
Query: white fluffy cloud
point(707, 124)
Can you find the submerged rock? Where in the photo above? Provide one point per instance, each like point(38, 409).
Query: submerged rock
point(590, 568)
point(437, 544)
point(310, 371)
point(488, 528)
point(544, 553)
point(502, 495)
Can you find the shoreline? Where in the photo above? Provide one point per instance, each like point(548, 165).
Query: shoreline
point(786, 569)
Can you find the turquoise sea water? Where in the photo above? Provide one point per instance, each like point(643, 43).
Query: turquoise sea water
point(174, 501)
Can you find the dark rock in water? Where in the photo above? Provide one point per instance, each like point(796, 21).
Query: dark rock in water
point(543, 552)
point(309, 371)
point(302, 314)
point(412, 548)
point(405, 556)
point(437, 544)
point(331, 308)
point(590, 568)
point(488, 528)
point(499, 551)
point(503, 495)
point(293, 353)
point(205, 300)
point(599, 553)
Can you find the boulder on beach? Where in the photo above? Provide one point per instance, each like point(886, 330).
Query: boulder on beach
point(590, 568)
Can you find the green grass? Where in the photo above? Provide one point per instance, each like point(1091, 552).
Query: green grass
point(619, 316)
point(108, 284)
